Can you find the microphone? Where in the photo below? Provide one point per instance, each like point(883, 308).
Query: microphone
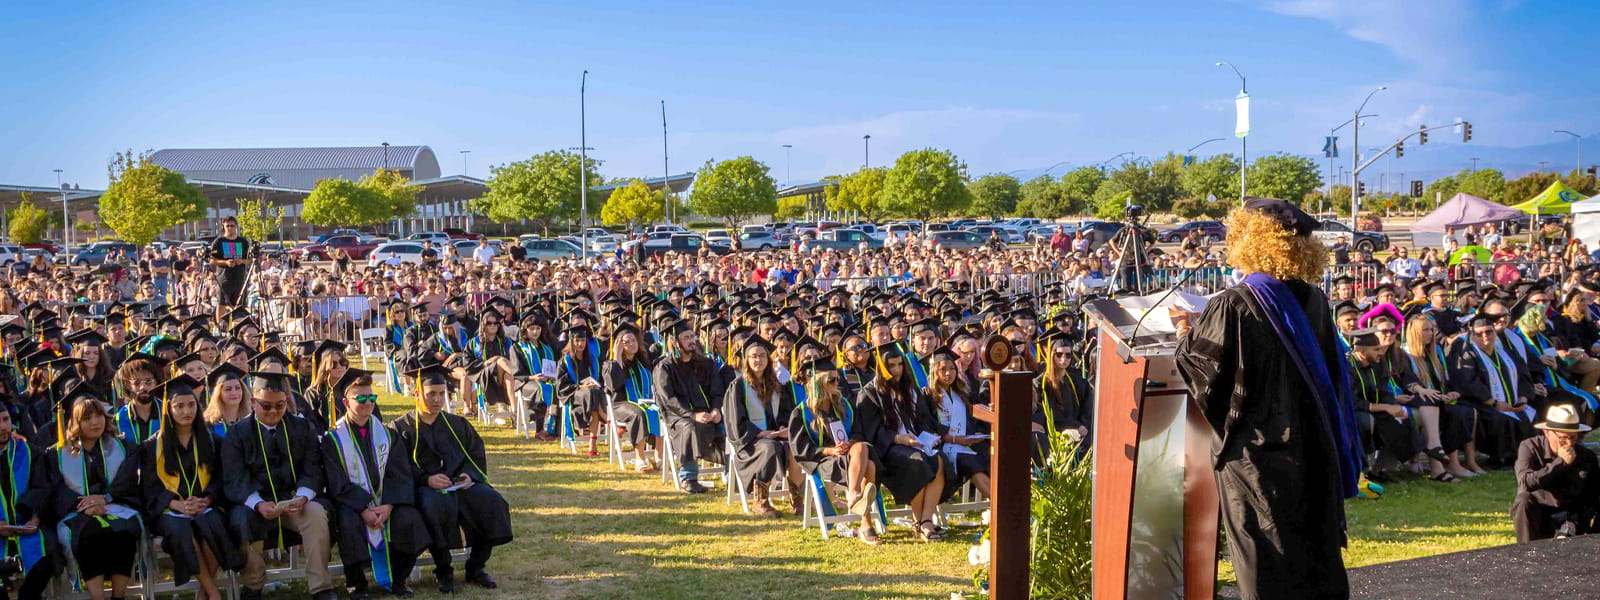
point(1125, 348)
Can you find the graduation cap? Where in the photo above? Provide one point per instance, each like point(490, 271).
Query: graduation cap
point(167, 343)
point(13, 328)
point(929, 325)
point(1343, 279)
point(270, 354)
point(224, 372)
point(186, 359)
point(351, 376)
point(754, 341)
point(275, 382)
point(178, 385)
point(1363, 338)
point(577, 331)
point(1433, 286)
point(39, 357)
point(1342, 308)
point(303, 348)
point(238, 326)
point(87, 337)
point(783, 334)
point(330, 346)
point(433, 374)
point(420, 306)
point(816, 365)
point(942, 353)
point(1481, 318)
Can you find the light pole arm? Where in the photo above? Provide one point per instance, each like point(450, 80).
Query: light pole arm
point(1374, 158)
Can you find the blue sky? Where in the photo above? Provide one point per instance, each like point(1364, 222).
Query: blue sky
point(1007, 86)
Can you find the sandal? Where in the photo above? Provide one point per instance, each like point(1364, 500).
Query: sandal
point(867, 535)
point(859, 505)
point(930, 533)
point(1445, 477)
point(1437, 453)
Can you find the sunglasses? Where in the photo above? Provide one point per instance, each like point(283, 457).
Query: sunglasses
point(366, 398)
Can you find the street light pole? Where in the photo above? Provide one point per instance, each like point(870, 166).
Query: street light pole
point(583, 164)
point(866, 151)
point(1580, 146)
point(666, 172)
point(386, 156)
point(464, 154)
point(66, 222)
point(1192, 148)
point(1330, 157)
point(1474, 163)
point(1355, 159)
point(788, 175)
point(1244, 156)
point(1103, 163)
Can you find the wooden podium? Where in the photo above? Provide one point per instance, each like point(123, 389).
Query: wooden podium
point(1155, 497)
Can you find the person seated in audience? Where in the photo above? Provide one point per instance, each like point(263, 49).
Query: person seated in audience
point(492, 348)
point(447, 346)
point(1489, 381)
point(370, 478)
point(533, 384)
point(964, 437)
point(227, 403)
point(1550, 364)
point(1558, 480)
point(1385, 423)
point(900, 426)
point(689, 391)
point(830, 442)
point(1446, 424)
point(181, 477)
point(140, 415)
point(453, 491)
point(273, 480)
point(99, 476)
point(321, 408)
point(1063, 399)
point(27, 491)
point(578, 384)
point(1575, 324)
point(754, 406)
point(626, 376)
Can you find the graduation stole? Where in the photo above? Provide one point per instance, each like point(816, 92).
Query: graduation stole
point(19, 466)
point(810, 420)
point(397, 335)
point(919, 373)
point(444, 342)
point(534, 356)
point(351, 459)
point(754, 404)
point(199, 480)
point(1540, 343)
point(131, 430)
point(75, 472)
point(594, 362)
point(639, 387)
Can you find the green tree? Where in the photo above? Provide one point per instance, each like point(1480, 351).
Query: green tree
point(860, 192)
point(1283, 176)
point(1196, 208)
point(631, 206)
point(1044, 197)
point(1155, 186)
point(994, 196)
point(144, 198)
point(734, 189)
point(341, 202)
point(1111, 206)
point(29, 222)
point(1489, 184)
point(1443, 189)
point(1524, 188)
point(1215, 176)
point(544, 188)
point(1582, 182)
point(791, 207)
point(258, 220)
point(396, 196)
point(926, 182)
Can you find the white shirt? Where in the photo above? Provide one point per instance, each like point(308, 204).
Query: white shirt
point(483, 254)
point(1406, 268)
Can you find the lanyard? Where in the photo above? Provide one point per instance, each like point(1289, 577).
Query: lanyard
point(272, 486)
point(194, 448)
point(461, 446)
point(1499, 371)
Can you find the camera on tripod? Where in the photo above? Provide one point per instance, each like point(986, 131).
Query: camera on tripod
point(1133, 213)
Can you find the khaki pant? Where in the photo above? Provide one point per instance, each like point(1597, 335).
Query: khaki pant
point(312, 525)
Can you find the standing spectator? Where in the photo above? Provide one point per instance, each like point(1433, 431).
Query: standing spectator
point(1341, 252)
point(1061, 242)
point(484, 253)
point(1403, 266)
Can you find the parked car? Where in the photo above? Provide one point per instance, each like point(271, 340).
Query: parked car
point(410, 252)
point(667, 229)
point(461, 234)
point(550, 249)
point(760, 240)
point(437, 237)
point(1024, 223)
point(684, 243)
point(719, 237)
point(274, 249)
point(337, 232)
point(28, 254)
point(960, 240)
point(963, 223)
point(1333, 231)
point(1211, 232)
point(352, 245)
point(194, 246)
point(1048, 230)
point(1099, 232)
point(932, 227)
point(604, 242)
point(843, 239)
point(10, 253)
point(871, 229)
point(899, 230)
point(1007, 234)
point(95, 254)
point(46, 245)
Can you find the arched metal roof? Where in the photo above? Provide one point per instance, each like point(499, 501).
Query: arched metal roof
point(419, 159)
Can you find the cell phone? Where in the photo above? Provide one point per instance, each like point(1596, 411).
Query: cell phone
point(23, 529)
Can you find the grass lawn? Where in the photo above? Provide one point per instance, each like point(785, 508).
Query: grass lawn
point(586, 530)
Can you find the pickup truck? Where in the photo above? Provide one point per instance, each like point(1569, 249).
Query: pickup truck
point(682, 243)
point(843, 239)
point(351, 244)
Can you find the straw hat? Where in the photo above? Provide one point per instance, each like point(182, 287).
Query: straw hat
point(1562, 417)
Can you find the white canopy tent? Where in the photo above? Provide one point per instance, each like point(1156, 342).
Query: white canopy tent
point(1586, 221)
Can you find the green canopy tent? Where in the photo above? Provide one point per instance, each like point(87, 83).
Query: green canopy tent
point(1554, 200)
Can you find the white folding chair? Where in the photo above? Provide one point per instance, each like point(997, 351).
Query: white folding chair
point(731, 476)
point(818, 508)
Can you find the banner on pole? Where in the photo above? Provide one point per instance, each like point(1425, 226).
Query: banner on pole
point(1330, 147)
point(1241, 103)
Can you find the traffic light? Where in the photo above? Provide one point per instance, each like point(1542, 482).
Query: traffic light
point(1422, 138)
point(1416, 188)
point(1466, 132)
point(1361, 188)
point(1400, 150)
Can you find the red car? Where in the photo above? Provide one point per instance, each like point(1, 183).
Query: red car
point(462, 234)
point(351, 244)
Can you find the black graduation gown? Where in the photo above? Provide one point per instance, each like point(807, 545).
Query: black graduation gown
point(683, 389)
point(851, 380)
point(34, 501)
point(904, 470)
point(1380, 432)
point(408, 535)
point(179, 535)
point(274, 472)
point(616, 378)
point(1498, 433)
point(488, 381)
point(418, 347)
point(1457, 420)
point(101, 547)
point(22, 417)
point(584, 401)
point(757, 459)
point(808, 448)
point(1277, 466)
point(451, 447)
point(965, 465)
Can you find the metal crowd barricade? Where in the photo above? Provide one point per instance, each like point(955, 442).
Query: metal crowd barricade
point(1368, 276)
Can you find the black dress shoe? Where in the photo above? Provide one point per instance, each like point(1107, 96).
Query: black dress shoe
point(325, 595)
point(401, 591)
point(249, 594)
point(694, 487)
point(482, 579)
point(359, 593)
point(447, 584)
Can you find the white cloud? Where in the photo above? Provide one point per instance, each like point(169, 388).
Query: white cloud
point(1435, 36)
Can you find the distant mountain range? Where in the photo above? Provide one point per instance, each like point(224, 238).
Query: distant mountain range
point(1444, 155)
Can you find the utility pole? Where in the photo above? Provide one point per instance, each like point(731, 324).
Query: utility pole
point(1355, 159)
point(464, 154)
point(386, 156)
point(1474, 164)
point(866, 151)
point(666, 172)
point(1244, 155)
point(1579, 166)
point(66, 219)
point(583, 165)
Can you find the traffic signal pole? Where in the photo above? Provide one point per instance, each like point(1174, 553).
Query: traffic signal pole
point(1355, 192)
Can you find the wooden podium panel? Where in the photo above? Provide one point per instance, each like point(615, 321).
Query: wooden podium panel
point(1118, 396)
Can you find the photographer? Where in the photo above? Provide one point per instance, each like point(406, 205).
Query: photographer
point(232, 253)
point(1130, 244)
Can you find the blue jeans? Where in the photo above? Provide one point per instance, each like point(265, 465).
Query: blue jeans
point(689, 470)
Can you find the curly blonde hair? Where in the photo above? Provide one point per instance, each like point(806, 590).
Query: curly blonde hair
point(1258, 243)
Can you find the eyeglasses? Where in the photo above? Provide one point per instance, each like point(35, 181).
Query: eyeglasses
point(859, 348)
point(1385, 331)
point(366, 398)
point(338, 363)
